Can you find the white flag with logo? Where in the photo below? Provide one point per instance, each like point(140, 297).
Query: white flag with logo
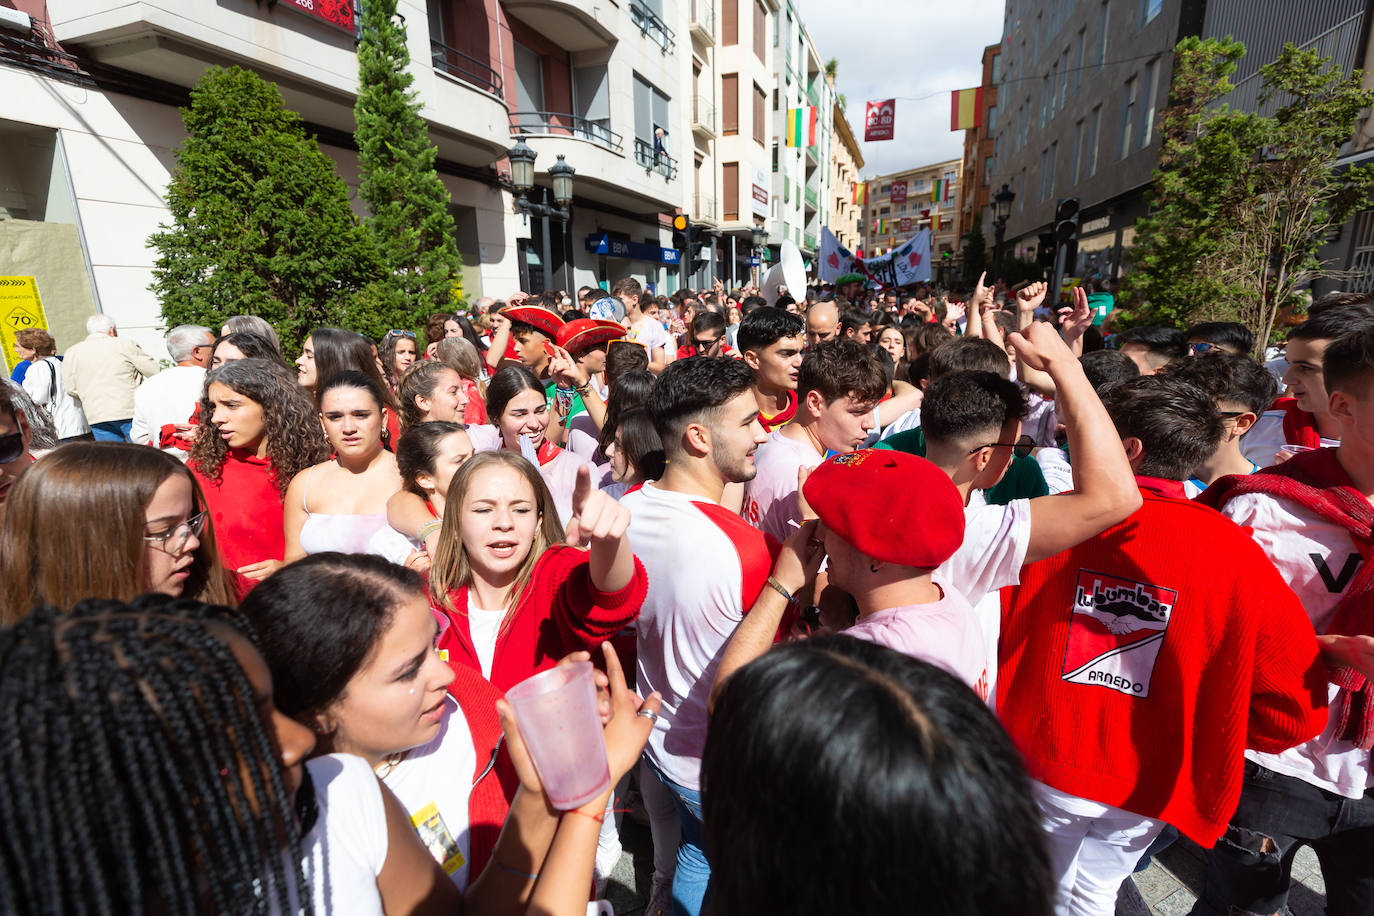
point(911, 260)
point(836, 261)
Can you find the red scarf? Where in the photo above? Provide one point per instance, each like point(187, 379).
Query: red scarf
point(546, 452)
point(782, 417)
point(1299, 426)
point(1316, 481)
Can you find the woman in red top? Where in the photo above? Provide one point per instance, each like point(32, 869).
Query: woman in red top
point(515, 597)
point(258, 429)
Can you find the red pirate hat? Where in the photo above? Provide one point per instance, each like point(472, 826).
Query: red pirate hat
point(578, 335)
point(546, 321)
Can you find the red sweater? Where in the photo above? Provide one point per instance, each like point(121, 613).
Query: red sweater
point(561, 612)
point(247, 513)
point(1134, 671)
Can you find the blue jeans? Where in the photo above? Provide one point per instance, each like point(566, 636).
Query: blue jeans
point(692, 880)
point(112, 430)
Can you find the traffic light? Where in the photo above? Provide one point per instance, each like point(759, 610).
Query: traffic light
point(1044, 251)
point(681, 226)
point(695, 244)
point(1066, 219)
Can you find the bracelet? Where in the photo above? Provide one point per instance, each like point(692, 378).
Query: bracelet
point(519, 874)
point(584, 386)
point(776, 586)
point(599, 818)
point(429, 529)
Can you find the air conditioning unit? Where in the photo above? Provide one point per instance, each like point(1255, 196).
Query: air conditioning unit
point(13, 19)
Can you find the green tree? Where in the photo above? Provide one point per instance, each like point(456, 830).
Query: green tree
point(1243, 201)
point(975, 252)
point(260, 219)
point(410, 220)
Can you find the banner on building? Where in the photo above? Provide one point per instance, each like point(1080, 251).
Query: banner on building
point(858, 191)
point(20, 308)
point(909, 263)
point(906, 224)
point(937, 188)
point(338, 13)
point(760, 193)
point(898, 192)
point(880, 120)
point(801, 126)
point(966, 108)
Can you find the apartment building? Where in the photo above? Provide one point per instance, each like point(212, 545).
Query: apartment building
point(800, 174)
point(976, 191)
point(88, 119)
point(901, 204)
point(846, 162)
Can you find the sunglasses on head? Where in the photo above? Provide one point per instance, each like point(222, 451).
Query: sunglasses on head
point(1020, 448)
point(11, 447)
point(395, 333)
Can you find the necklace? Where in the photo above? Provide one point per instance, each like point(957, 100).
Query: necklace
point(389, 764)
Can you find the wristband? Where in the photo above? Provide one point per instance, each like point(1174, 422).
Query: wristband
point(429, 529)
point(776, 586)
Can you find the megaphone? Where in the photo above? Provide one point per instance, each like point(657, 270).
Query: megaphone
point(790, 271)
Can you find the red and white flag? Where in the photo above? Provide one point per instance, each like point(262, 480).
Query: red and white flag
point(879, 120)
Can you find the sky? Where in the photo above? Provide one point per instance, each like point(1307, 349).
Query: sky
point(894, 48)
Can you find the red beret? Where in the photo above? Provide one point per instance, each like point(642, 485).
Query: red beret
point(582, 333)
point(889, 505)
point(541, 319)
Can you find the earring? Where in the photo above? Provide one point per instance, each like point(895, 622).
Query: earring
point(873, 567)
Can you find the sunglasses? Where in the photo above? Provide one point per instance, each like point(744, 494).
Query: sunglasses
point(11, 447)
point(1020, 448)
point(395, 333)
point(705, 343)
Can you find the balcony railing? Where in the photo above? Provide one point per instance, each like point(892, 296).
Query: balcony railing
point(704, 20)
point(466, 68)
point(704, 208)
point(703, 116)
point(660, 162)
point(652, 27)
point(812, 198)
point(809, 241)
point(811, 94)
point(555, 124)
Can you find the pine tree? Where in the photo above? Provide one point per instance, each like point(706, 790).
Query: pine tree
point(261, 223)
point(410, 220)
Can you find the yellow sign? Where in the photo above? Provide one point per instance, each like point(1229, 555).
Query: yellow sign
point(1066, 287)
point(20, 308)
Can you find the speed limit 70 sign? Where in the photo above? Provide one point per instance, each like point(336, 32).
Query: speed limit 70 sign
point(20, 307)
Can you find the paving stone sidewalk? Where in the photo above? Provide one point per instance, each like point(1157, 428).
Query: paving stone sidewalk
point(1169, 887)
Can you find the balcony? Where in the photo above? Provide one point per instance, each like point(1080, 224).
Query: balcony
point(704, 209)
point(661, 163)
point(573, 25)
point(812, 201)
point(703, 117)
point(466, 68)
point(812, 95)
point(703, 21)
point(809, 242)
point(652, 27)
point(555, 124)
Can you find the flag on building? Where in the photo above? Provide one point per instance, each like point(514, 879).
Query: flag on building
point(880, 120)
point(935, 193)
point(858, 192)
point(906, 224)
point(949, 190)
point(801, 126)
point(966, 108)
point(897, 192)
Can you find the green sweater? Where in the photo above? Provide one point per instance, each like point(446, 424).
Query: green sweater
point(1023, 479)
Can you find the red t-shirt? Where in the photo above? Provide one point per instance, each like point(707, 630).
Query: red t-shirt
point(246, 511)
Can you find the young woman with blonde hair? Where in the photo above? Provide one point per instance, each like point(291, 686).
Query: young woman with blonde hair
point(462, 356)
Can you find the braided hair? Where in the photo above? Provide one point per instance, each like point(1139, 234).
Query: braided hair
point(138, 773)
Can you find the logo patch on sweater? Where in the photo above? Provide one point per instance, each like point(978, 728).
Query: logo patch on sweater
point(1115, 633)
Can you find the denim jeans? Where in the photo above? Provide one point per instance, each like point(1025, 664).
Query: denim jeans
point(112, 430)
point(1250, 868)
point(692, 880)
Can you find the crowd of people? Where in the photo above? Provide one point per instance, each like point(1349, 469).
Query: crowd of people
point(917, 600)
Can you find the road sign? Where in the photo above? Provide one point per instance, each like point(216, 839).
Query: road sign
point(20, 307)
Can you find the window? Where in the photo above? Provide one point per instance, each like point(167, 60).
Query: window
point(777, 24)
point(1078, 67)
point(1102, 34)
point(729, 22)
point(1149, 10)
point(729, 104)
point(1090, 159)
point(992, 120)
point(1039, 27)
point(1077, 152)
point(1053, 89)
point(529, 79)
point(1147, 116)
point(775, 155)
point(996, 69)
point(1128, 94)
point(987, 172)
point(1044, 99)
point(775, 98)
point(760, 106)
point(729, 179)
point(1063, 79)
point(760, 30)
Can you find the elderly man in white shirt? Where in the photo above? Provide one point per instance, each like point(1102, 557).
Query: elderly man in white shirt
point(169, 398)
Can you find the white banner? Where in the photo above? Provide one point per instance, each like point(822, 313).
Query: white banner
point(911, 260)
point(836, 261)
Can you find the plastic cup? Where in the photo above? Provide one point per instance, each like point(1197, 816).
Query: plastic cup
point(558, 718)
point(1295, 449)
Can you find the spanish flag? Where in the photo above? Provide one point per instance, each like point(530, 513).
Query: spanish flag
point(801, 123)
point(966, 108)
point(859, 192)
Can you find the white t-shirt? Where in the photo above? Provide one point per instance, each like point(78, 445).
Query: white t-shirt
point(1266, 437)
point(945, 633)
point(432, 783)
point(1318, 560)
point(1041, 419)
point(484, 626)
point(583, 437)
point(909, 420)
point(652, 334)
point(346, 848)
point(168, 397)
point(1055, 467)
point(706, 567)
point(770, 499)
point(989, 559)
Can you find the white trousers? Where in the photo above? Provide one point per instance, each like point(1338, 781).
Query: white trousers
point(1093, 848)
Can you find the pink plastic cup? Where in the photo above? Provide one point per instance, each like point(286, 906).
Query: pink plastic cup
point(559, 721)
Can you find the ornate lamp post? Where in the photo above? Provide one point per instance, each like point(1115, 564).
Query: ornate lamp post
point(1001, 210)
point(522, 158)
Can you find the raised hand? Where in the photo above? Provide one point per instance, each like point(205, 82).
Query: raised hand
point(596, 516)
point(565, 370)
point(982, 295)
point(1040, 345)
point(1028, 299)
point(1075, 320)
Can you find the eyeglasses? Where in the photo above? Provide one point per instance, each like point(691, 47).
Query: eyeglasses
point(1203, 346)
point(173, 541)
point(11, 447)
point(1020, 448)
point(705, 343)
point(395, 333)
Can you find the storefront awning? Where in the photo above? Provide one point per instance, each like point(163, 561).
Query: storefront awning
point(600, 243)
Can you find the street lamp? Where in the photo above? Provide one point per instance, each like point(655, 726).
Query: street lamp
point(522, 158)
point(1001, 210)
point(760, 240)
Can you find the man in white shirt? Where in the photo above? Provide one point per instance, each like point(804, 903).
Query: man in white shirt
point(642, 328)
point(838, 385)
point(706, 566)
point(169, 398)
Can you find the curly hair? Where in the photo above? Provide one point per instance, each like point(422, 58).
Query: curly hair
point(295, 440)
